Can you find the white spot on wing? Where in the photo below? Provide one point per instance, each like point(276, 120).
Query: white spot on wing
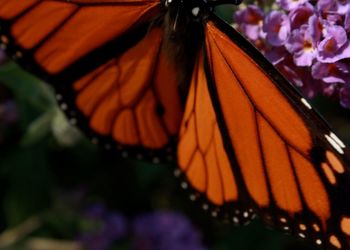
point(334, 144)
point(302, 235)
point(306, 103)
point(177, 172)
point(192, 197)
point(184, 185)
point(337, 140)
point(195, 11)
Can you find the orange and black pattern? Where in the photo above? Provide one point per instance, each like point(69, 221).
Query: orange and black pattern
point(108, 76)
point(247, 143)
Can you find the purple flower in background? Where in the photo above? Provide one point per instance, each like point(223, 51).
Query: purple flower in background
point(302, 46)
point(277, 28)
point(8, 112)
point(316, 26)
point(327, 7)
point(165, 231)
point(309, 42)
point(96, 211)
point(347, 22)
point(250, 21)
point(291, 72)
point(115, 226)
point(331, 72)
point(108, 228)
point(335, 46)
point(290, 4)
point(276, 55)
point(3, 57)
point(344, 95)
point(300, 15)
point(343, 6)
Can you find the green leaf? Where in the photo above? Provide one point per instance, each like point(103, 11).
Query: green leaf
point(38, 129)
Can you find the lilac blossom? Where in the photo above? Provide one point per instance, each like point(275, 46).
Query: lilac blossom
point(344, 94)
point(300, 15)
point(309, 42)
point(107, 227)
point(316, 26)
point(290, 4)
point(331, 72)
point(302, 46)
point(8, 112)
point(165, 231)
point(347, 22)
point(250, 21)
point(3, 57)
point(335, 46)
point(277, 28)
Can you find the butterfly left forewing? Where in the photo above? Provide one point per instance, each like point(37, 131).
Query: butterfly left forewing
point(293, 167)
point(105, 60)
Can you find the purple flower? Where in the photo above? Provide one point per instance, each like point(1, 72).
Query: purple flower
point(340, 7)
point(290, 4)
point(250, 21)
point(291, 73)
point(326, 6)
point(277, 27)
point(347, 22)
point(96, 211)
point(276, 55)
point(94, 241)
point(115, 226)
point(316, 26)
point(165, 231)
point(344, 95)
point(107, 227)
point(300, 15)
point(8, 112)
point(331, 72)
point(3, 57)
point(343, 7)
point(335, 46)
point(302, 46)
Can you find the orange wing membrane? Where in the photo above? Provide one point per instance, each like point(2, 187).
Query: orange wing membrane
point(127, 98)
point(108, 68)
point(283, 156)
point(202, 159)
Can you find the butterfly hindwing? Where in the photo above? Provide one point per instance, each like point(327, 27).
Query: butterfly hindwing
point(106, 65)
point(203, 162)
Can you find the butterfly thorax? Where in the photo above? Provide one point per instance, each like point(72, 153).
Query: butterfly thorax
point(184, 22)
point(183, 25)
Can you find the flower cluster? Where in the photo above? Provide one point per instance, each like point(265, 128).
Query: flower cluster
point(309, 43)
point(105, 227)
point(152, 231)
point(165, 231)
point(9, 114)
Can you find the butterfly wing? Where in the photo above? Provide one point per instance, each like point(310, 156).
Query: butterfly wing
point(272, 150)
point(106, 64)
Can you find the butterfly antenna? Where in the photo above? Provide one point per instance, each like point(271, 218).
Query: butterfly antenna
point(177, 15)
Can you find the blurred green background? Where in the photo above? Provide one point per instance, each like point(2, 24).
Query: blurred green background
point(49, 173)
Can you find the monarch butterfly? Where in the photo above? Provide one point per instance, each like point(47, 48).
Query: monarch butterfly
point(154, 79)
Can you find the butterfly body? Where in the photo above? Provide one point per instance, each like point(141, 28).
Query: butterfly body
point(173, 80)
